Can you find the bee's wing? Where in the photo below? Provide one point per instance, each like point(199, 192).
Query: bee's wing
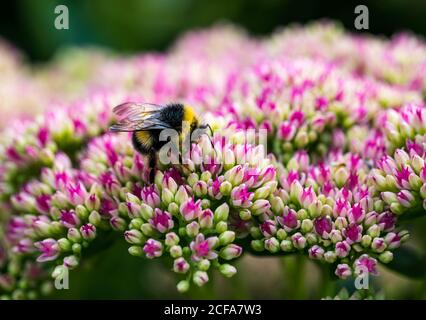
point(137, 117)
point(127, 109)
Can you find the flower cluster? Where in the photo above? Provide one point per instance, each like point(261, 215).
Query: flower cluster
point(330, 212)
point(336, 163)
point(304, 104)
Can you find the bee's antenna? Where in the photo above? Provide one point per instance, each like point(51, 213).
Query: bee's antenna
point(205, 126)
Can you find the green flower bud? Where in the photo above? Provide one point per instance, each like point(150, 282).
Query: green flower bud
point(64, 244)
point(147, 230)
point(176, 251)
point(221, 227)
point(200, 189)
point(71, 262)
point(307, 225)
point(167, 196)
point(134, 236)
point(76, 248)
point(204, 265)
point(74, 235)
point(315, 209)
point(261, 193)
point(132, 198)
point(136, 251)
point(417, 163)
point(95, 218)
point(158, 179)
point(171, 239)
point(296, 189)
point(257, 245)
point(200, 278)
point(117, 223)
point(341, 176)
point(192, 229)
point(245, 214)
point(205, 203)
point(221, 213)
point(326, 210)
point(183, 286)
point(56, 228)
point(277, 205)
point(255, 233)
point(386, 257)
point(173, 208)
point(136, 223)
point(281, 234)
point(225, 188)
point(272, 245)
point(192, 179)
point(206, 176)
point(378, 206)
point(404, 235)
point(374, 231)
point(336, 236)
point(81, 212)
point(227, 270)
point(146, 211)
point(286, 245)
point(330, 256)
point(226, 237)
point(55, 213)
point(312, 238)
point(415, 182)
point(122, 209)
point(181, 196)
point(366, 241)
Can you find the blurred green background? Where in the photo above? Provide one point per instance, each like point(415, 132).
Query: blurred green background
point(141, 25)
point(135, 25)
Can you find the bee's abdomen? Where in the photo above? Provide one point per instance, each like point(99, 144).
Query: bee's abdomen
point(142, 141)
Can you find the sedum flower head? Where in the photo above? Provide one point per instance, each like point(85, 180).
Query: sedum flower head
point(318, 149)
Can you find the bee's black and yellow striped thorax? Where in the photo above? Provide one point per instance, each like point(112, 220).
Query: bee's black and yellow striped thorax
point(173, 115)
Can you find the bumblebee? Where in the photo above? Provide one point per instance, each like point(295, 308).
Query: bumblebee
point(146, 121)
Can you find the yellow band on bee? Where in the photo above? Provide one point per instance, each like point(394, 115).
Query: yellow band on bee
point(188, 114)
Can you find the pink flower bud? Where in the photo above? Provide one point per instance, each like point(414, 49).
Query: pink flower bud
point(289, 220)
point(353, 233)
point(150, 196)
point(386, 221)
point(203, 248)
point(323, 226)
point(316, 252)
point(69, 219)
point(180, 265)
point(241, 197)
point(231, 251)
point(49, 250)
point(88, 231)
point(356, 214)
point(268, 228)
point(191, 209)
point(366, 263)
point(206, 219)
point(153, 249)
point(342, 249)
point(343, 271)
point(162, 221)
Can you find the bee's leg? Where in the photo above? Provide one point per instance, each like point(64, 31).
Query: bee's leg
point(152, 164)
point(184, 166)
